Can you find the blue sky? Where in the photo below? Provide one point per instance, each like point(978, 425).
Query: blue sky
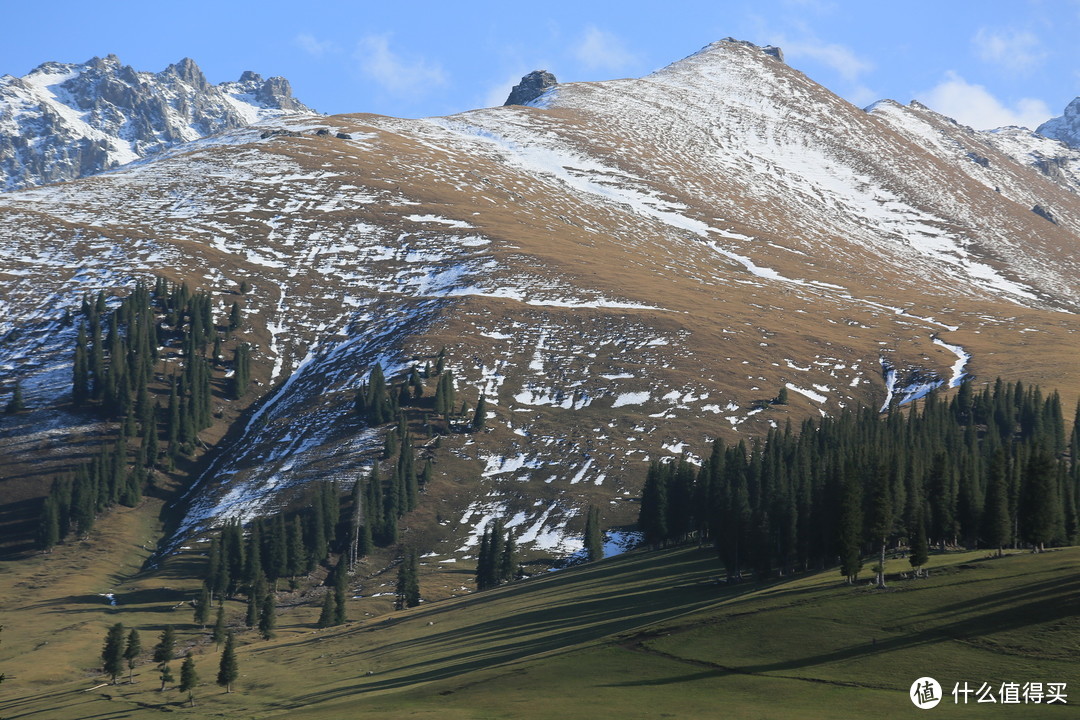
point(985, 63)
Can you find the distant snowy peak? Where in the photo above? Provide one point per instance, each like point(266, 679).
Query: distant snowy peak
point(1065, 128)
point(63, 120)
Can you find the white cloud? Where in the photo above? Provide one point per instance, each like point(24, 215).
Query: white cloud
point(313, 46)
point(497, 94)
point(974, 105)
point(861, 96)
point(1013, 50)
point(600, 50)
point(838, 57)
point(395, 74)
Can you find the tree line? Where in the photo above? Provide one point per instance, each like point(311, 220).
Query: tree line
point(992, 469)
point(113, 376)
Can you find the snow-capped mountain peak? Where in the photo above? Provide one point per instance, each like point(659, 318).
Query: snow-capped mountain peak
point(64, 120)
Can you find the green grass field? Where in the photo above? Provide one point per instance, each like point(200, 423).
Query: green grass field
point(645, 635)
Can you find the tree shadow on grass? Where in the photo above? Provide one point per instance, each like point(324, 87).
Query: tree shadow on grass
point(1045, 610)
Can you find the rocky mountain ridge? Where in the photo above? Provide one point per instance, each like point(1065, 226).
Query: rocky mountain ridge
point(62, 120)
point(625, 270)
point(1065, 127)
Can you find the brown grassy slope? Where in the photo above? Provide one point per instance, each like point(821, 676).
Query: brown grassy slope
point(327, 230)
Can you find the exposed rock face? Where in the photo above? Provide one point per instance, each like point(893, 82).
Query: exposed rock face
point(531, 87)
point(62, 121)
point(1065, 128)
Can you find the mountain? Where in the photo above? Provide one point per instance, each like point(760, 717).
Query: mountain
point(62, 121)
point(625, 269)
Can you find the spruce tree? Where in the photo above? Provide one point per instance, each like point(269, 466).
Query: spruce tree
point(408, 582)
point(166, 676)
point(849, 531)
point(112, 654)
point(508, 561)
point(131, 652)
point(920, 548)
point(202, 607)
point(295, 550)
point(268, 617)
point(880, 516)
point(483, 561)
point(228, 669)
point(189, 678)
point(997, 525)
point(235, 317)
point(164, 652)
point(1039, 509)
point(652, 518)
point(480, 414)
point(341, 586)
point(329, 610)
point(218, 634)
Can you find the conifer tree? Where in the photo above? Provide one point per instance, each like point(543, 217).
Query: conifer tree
point(408, 582)
point(652, 518)
point(416, 383)
point(131, 652)
point(234, 317)
point(480, 414)
point(202, 606)
point(341, 586)
point(295, 550)
point(166, 676)
point(329, 610)
point(228, 669)
point(508, 561)
point(880, 516)
point(483, 561)
point(253, 570)
point(920, 548)
point(997, 525)
point(256, 592)
point(849, 531)
point(268, 617)
point(1039, 502)
point(112, 654)
point(164, 652)
point(241, 370)
point(218, 634)
point(189, 678)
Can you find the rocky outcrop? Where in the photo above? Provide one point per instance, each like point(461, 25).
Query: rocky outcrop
point(531, 87)
point(62, 120)
point(1066, 127)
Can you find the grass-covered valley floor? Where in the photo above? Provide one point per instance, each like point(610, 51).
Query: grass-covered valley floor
point(647, 634)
